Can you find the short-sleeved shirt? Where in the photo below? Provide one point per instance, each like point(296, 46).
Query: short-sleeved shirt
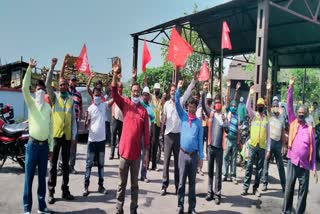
point(97, 117)
point(173, 120)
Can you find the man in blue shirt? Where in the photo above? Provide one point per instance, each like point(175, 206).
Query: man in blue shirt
point(191, 149)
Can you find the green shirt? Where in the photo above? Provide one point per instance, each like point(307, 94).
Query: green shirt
point(40, 123)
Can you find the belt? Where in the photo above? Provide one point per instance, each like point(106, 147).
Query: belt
point(188, 153)
point(38, 141)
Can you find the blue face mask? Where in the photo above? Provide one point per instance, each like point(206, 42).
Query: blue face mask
point(136, 100)
point(97, 100)
point(233, 109)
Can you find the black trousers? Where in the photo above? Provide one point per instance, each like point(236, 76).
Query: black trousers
point(215, 156)
point(116, 132)
point(293, 173)
point(108, 133)
point(64, 145)
point(155, 147)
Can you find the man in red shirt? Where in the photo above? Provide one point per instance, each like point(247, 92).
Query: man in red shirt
point(135, 125)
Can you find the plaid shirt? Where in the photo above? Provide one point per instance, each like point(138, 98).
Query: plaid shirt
point(77, 100)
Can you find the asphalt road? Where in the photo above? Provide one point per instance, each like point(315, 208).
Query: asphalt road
point(150, 201)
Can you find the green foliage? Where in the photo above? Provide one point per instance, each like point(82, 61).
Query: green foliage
point(312, 86)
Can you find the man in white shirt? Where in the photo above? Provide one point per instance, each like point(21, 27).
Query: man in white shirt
point(97, 138)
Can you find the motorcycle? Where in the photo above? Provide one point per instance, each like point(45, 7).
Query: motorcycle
point(13, 138)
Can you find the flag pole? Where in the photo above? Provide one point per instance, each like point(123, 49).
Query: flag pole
point(220, 72)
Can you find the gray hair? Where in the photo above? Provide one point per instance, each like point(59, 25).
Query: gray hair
point(306, 109)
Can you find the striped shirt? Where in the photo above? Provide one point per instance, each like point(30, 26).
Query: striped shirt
point(276, 125)
point(77, 101)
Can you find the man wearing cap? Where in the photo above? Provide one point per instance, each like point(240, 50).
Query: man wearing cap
point(259, 143)
point(301, 154)
point(150, 109)
point(277, 141)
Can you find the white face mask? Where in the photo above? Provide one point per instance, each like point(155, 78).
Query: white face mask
point(40, 96)
point(136, 100)
point(97, 100)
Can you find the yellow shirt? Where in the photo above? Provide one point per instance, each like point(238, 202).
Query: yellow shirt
point(40, 123)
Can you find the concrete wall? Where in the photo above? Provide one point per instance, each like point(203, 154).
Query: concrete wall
point(15, 99)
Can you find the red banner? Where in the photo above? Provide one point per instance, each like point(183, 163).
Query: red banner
point(204, 74)
point(225, 39)
point(146, 57)
point(82, 63)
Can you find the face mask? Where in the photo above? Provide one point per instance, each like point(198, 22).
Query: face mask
point(157, 93)
point(172, 97)
point(64, 95)
point(275, 110)
point(301, 118)
point(218, 106)
point(135, 100)
point(233, 109)
point(260, 109)
point(97, 100)
point(209, 102)
point(40, 96)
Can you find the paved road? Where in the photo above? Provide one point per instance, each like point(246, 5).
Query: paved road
point(150, 201)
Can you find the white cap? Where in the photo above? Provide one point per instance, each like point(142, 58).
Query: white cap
point(156, 85)
point(209, 96)
point(241, 99)
point(275, 98)
point(146, 90)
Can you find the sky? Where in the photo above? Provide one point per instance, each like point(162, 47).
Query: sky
point(45, 29)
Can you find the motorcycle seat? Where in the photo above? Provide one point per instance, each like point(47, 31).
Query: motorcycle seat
point(14, 130)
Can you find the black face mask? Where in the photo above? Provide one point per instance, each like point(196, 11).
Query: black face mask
point(209, 102)
point(260, 109)
point(157, 93)
point(301, 118)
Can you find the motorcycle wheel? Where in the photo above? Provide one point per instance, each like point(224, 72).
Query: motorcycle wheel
point(21, 162)
point(239, 159)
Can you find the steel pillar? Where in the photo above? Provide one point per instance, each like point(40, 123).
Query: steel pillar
point(261, 67)
point(135, 52)
point(274, 81)
point(212, 59)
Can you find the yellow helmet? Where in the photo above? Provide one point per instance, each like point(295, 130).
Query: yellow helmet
point(260, 101)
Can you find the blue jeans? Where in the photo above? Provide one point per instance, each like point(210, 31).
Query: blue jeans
point(99, 148)
point(256, 154)
point(143, 172)
point(276, 150)
point(230, 153)
point(36, 155)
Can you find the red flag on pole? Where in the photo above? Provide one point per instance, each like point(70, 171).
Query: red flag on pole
point(179, 49)
point(146, 57)
point(82, 63)
point(225, 39)
point(204, 72)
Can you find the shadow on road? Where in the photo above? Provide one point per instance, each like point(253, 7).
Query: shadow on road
point(87, 211)
point(15, 170)
point(220, 212)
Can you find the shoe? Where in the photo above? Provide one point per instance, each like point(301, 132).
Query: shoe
point(141, 179)
point(51, 199)
point(256, 192)
point(67, 196)
point(217, 200)
point(244, 193)
point(133, 211)
point(111, 158)
point(146, 180)
point(73, 171)
point(102, 190)
point(163, 192)
point(209, 196)
point(119, 211)
point(264, 188)
point(85, 192)
point(154, 168)
point(158, 170)
point(201, 173)
point(180, 210)
point(193, 211)
point(59, 173)
point(176, 193)
point(45, 211)
point(27, 212)
point(225, 178)
point(234, 180)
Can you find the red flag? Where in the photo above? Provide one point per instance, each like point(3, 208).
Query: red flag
point(179, 49)
point(82, 63)
point(225, 39)
point(146, 57)
point(204, 72)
